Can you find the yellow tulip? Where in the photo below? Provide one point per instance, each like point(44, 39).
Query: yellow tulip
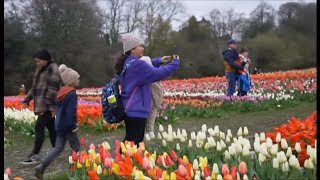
point(133, 171)
point(213, 176)
point(173, 176)
point(164, 175)
point(95, 167)
point(185, 159)
point(115, 168)
point(79, 166)
point(87, 163)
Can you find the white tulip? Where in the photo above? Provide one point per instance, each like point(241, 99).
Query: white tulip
point(262, 136)
point(274, 149)
point(169, 129)
point(245, 151)
point(169, 137)
point(219, 177)
point(164, 135)
point(216, 129)
point(231, 150)
point(238, 176)
point(206, 146)
point(293, 161)
point(227, 155)
point(184, 133)
point(159, 136)
point(245, 131)
point(222, 135)
point(211, 132)
point(278, 137)
point(164, 143)
point(195, 164)
point(147, 137)
point(174, 135)
point(152, 135)
point(215, 169)
point(261, 158)
point(289, 152)
point(284, 144)
point(297, 147)
point(193, 135)
point(177, 147)
point(263, 149)
point(161, 128)
point(204, 128)
point(197, 177)
point(190, 143)
point(229, 134)
point(275, 163)
point(281, 157)
point(239, 132)
point(256, 146)
point(228, 139)
point(223, 145)
point(178, 133)
point(256, 137)
point(285, 167)
point(219, 146)
point(313, 155)
point(70, 160)
point(182, 139)
point(245, 177)
point(269, 142)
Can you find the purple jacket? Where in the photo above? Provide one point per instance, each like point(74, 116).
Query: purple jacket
point(136, 84)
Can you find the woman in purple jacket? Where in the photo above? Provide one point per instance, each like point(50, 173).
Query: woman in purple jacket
point(136, 84)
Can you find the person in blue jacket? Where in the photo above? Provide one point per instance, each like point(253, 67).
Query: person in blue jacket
point(66, 120)
point(136, 84)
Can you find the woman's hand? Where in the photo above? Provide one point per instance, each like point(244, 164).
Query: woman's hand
point(176, 56)
point(166, 59)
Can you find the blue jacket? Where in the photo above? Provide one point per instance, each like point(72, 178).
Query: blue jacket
point(246, 82)
point(136, 84)
point(66, 116)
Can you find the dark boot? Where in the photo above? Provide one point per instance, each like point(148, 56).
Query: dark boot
point(39, 171)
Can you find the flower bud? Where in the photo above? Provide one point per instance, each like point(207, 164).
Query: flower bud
point(278, 137)
point(239, 132)
point(161, 128)
point(262, 136)
point(297, 147)
point(289, 152)
point(245, 131)
point(284, 144)
point(275, 163)
point(147, 137)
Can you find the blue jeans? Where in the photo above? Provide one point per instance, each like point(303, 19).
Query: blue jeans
point(231, 79)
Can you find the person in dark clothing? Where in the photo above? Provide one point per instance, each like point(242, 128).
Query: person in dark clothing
point(230, 56)
point(66, 122)
point(46, 83)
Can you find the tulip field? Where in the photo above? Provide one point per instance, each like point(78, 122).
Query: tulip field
point(195, 135)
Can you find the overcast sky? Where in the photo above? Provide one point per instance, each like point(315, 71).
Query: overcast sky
point(201, 8)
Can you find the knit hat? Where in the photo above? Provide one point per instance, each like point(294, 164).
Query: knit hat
point(42, 54)
point(232, 41)
point(147, 59)
point(130, 41)
point(68, 75)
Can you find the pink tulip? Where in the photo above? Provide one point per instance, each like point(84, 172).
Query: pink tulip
point(243, 168)
point(145, 163)
point(8, 171)
point(92, 146)
point(182, 170)
point(74, 156)
point(107, 162)
point(225, 169)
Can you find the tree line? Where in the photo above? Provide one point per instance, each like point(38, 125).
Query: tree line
point(82, 35)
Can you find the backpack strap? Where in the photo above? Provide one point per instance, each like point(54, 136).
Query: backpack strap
point(125, 67)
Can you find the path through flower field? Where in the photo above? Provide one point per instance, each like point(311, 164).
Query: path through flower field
point(256, 122)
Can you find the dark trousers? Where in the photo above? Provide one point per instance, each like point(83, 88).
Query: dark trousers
point(135, 128)
point(231, 79)
point(59, 146)
point(44, 120)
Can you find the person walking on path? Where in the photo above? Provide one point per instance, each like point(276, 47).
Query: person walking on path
point(66, 122)
point(157, 97)
point(136, 84)
point(230, 56)
point(44, 89)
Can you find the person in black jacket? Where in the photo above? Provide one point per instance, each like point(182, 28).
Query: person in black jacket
point(66, 121)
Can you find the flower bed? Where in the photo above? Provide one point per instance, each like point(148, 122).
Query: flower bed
point(207, 154)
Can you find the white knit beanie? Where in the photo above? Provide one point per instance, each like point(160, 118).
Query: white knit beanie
point(130, 41)
point(147, 59)
point(68, 75)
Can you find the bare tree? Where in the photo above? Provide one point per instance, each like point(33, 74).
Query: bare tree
point(133, 17)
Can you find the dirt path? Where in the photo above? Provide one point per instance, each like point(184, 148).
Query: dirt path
point(256, 122)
